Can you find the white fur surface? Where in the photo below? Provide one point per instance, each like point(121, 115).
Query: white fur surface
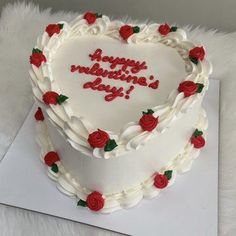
point(20, 24)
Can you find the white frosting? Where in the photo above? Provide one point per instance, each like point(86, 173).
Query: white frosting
point(124, 175)
point(128, 197)
point(115, 174)
point(75, 122)
point(103, 114)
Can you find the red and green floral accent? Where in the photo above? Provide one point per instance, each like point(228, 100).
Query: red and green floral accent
point(94, 201)
point(166, 29)
point(197, 139)
point(196, 54)
point(37, 57)
point(54, 98)
point(39, 115)
point(148, 122)
point(52, 29)
point(126, 31)
point(162, 180)
point(101, 139)
point(91, 17)
point(50, 160)
point(190, 88)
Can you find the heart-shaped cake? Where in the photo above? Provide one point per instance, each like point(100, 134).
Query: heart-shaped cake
point(120, 107)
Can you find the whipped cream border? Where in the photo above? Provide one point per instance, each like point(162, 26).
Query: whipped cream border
point(127, 198)
point(76, 129)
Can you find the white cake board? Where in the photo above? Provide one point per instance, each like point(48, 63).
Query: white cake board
point(188, 207)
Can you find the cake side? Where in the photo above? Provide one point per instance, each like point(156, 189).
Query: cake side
point(129, 197)
point(115, 175)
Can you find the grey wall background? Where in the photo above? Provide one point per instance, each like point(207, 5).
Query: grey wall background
point(219, 14)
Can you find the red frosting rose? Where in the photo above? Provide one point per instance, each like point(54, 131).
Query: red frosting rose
point(126, 31)
point(37, 58)
point(160, 181)
point(50, 158)
point(39, 114)
point(198, 142)
point(50, 98)
point(53, 29)
point(197, 53)
point(188, 87)
point(164, 29)
point(95, 201)
point(98, 139)
point(90, 17)
point(148, 122)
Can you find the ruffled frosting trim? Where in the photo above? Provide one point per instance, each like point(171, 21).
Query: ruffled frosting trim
point(76, 129)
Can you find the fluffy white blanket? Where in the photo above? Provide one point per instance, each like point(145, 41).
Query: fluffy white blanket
point(19, 27)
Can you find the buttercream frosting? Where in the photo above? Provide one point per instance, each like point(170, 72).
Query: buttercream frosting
point(127, 198)
point(120, 104)
point(130, 136)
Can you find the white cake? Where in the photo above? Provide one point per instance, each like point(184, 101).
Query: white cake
point(121, 107)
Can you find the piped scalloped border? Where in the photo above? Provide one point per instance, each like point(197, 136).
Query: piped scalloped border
point(77, 129)
point(127, 198)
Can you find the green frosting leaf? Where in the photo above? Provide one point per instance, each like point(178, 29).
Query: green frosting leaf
point(136, 29)
point(168, 174)
point(194, 60)
point(173, 29)
point(61, 26)
point(98, 15)
point(149, 112)
point(61, 98)
point(197, 133)
point(110, 145)
point(199, 87)
point(36, 50)
point(54, 168)
point(81, 203)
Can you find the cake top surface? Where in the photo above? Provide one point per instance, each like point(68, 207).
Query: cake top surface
point(123, 84)
point(139, 91)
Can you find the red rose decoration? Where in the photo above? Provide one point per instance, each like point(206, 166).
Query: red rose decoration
point(148, 122)
point(50, 98)
point(126, 31)
point(197, 53)
point(160, 181)
point(164, 29)
point(53, 29)
point(98, 139)
point(50, 158)
point(39, 115)
point(37, 59)
point(90, 17)
point(95, 201)
point(188, 87)
point(198, 142)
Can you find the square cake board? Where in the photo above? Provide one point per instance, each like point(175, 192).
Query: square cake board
point(188, 207)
